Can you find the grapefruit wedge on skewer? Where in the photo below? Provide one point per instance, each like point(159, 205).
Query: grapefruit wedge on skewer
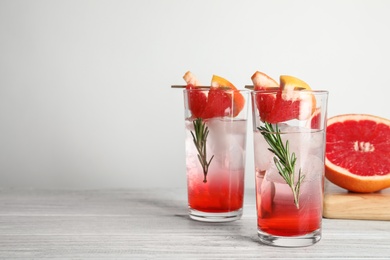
point(286, 104)
point(196, 99)
point(263, 81)
point(358, 152)
point(223, 98)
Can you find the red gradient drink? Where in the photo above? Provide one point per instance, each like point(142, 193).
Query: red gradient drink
point(215, 152)
point(277, 212)
point(223, 191)
point(289, 152)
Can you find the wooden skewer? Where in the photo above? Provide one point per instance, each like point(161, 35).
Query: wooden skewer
point(246, 86)
point(184, 86)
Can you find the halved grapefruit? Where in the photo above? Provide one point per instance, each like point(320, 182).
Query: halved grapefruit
point(358, 152)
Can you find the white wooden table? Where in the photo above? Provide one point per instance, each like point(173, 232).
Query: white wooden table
point(153, 224)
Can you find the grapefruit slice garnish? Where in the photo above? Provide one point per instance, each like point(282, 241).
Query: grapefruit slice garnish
point(358, 152)
point(265, 103)
point(263, 81)
point(314, 121)
point(191, 79)
point(307, 101)
point(290, 83)
point(287, 103)
point(218, 102)
point(196, 99)
point(221, 102)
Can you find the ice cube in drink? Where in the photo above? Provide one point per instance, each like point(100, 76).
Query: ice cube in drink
point(277, 213)
point(223, 191)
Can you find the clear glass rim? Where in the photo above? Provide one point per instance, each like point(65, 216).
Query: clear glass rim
point(275, 90)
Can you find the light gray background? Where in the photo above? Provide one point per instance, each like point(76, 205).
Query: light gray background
point(85, 97)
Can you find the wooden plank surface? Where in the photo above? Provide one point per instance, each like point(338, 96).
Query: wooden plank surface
point(341, 204)
point(153, 224)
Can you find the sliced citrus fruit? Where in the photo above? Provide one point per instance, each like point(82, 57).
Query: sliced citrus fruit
point(221, 102)
point(196, 99)
point(315, 120)
point(283, 110)
point(191, 79)
point(307, 100)
point(358, 152)
point(290, 82)
point(218, 102)
point(265, 102)
point(263, 81)
point(286, 104)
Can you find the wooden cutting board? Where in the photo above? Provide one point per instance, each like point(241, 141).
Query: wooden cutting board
point(341, 204)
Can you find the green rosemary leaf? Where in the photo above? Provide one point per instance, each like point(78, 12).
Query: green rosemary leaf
point(200, 140)
point(284, 161)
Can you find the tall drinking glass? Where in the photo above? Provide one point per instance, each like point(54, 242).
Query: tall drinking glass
point(216, 129)
point(289, 150)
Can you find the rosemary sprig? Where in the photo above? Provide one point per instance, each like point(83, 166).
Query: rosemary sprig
point(285, 163)
point(200, 138)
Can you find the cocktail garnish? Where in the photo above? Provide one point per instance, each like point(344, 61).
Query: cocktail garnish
point(284, 161)
point(200, 138)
